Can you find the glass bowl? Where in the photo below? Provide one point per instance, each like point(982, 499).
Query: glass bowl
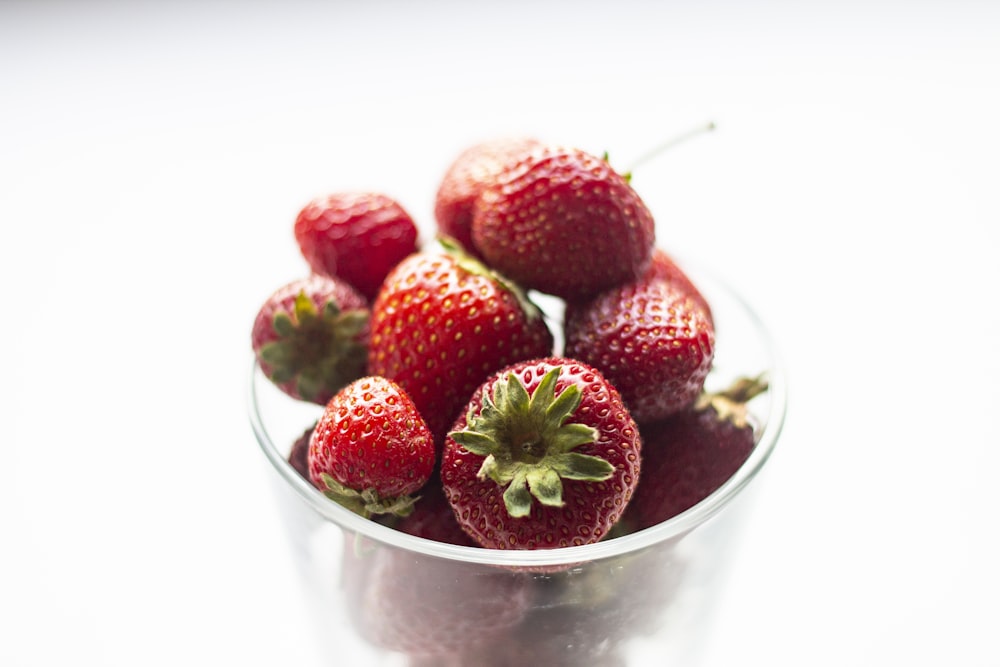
point(383, 597)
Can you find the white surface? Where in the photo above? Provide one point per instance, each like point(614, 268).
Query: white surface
point(152, 158)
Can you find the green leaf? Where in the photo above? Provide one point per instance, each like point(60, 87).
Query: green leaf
point(545, 393)
point(488, 470)
point(487, 413)
point(476, 442)
point(570, 436)
point(517, 498)
point(282, 375)
point(304, 307)
point(277, 353)
point(336, 487)
point(352, 323)
point(283, 324)
point(581, 467)
point(401, 506)
point(516, 395)
point(546, 486)
point(366, 503)
point(310, 383)
point(344, 496)
point(331, 310)
point(564, 405)
point(502, 474)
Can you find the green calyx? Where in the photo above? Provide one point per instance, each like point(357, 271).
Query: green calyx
point(367, 503)
point(319, 350)
point(527, 444)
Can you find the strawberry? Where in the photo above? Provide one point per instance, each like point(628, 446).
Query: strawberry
point(432, 518)
point(356, 236)
point(563, 222)
point(650, 338)
point(426, 606)
point(545, 456)
point(442, 324)
point(692, 454)
point(371, 449)
point(310, 337)
point(472, 170)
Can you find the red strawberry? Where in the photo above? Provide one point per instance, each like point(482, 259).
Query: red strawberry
point(565, 223)
point(465, 179)
point(690, 455)
point(371, 449)
point(356, 236)
point(650, 339)
point(546, 456)
point(442, 324)
point(311, 337)
point(664, 267)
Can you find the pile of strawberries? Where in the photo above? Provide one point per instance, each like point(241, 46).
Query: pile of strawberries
point(454, 408)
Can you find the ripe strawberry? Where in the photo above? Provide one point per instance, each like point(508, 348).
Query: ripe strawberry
point(565, 223)
point(650, 339)
point(546, 456)
point(442, 324)
point(310, 337)
point(356, 236)
point(426, 606)
point(472, 170)
point(371, 449)
point(692, 454)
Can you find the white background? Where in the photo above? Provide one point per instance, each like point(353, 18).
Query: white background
point(152, 159)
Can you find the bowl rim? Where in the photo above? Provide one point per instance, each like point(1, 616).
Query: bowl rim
point(767, 437)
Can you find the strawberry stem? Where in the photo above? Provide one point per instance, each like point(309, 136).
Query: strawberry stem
point(730, 403)
point(669, 144)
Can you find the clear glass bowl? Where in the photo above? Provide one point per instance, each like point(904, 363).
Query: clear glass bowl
point(382, 597)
